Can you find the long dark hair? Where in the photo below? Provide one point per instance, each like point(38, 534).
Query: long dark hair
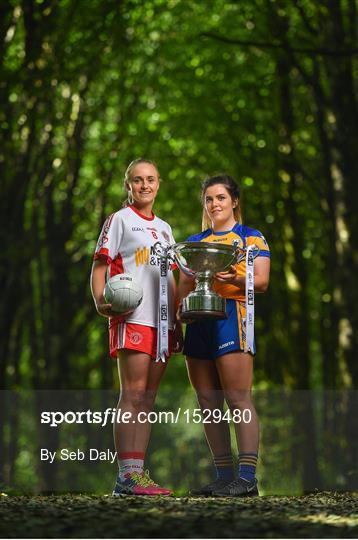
point(232, 188)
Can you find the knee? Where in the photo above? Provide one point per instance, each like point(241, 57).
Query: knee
point(239, 399)
point(137, 399)
point(210, 399)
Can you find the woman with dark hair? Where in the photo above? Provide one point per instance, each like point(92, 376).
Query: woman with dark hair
point(132, 240)
point(218, 353)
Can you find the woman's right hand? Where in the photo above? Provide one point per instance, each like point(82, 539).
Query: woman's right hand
point(179, 310)
point(179, 313)
point(106, 311)
point(98, 281)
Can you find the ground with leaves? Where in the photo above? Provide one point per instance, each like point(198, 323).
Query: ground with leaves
point(328, 515)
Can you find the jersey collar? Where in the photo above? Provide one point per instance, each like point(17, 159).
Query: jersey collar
point(136, 211)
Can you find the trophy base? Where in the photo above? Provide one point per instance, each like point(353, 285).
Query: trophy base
point(198, 306)
point(202, 315)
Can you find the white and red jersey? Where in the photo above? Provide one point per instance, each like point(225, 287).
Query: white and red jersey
point(131, 243)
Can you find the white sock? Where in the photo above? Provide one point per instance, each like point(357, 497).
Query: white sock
point(130, 465)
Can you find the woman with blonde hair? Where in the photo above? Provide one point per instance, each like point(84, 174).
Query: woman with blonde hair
point(132, 241)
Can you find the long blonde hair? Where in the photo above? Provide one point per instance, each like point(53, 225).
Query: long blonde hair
point(234, 191)
point(129, 169)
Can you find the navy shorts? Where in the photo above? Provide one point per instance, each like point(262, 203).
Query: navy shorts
point(209, 339)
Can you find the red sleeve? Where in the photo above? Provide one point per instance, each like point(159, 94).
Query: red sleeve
point(103, 255)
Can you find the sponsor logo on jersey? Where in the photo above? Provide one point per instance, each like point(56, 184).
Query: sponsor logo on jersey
point(220, 240)
point(227, 344)
point(136, 338)
point(158, 249)
point(142, 256)
point(138, 229)
point(153, 255)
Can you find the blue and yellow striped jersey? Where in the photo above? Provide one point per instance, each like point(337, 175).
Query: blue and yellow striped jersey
point(241, 236)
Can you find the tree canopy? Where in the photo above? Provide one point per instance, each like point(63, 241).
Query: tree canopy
point(264, 90)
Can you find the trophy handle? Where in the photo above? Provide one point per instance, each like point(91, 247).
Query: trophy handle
point(170, 254)
point(183, 268)
point(175, 257)
point(241, 253)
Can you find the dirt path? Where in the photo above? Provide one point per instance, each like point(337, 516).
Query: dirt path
point(328, 515)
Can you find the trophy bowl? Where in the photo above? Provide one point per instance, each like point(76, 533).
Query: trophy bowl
point(202, 260)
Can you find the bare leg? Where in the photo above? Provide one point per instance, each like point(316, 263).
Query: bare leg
point(156, 371)
point(235, 372)
point(205, 380)
point(140, 378)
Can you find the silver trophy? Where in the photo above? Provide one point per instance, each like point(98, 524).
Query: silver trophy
point(203, 260)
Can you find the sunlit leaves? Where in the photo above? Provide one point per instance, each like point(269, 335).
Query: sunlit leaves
point(105, 85)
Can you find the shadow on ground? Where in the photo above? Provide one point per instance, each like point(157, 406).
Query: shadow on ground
point(328, 515)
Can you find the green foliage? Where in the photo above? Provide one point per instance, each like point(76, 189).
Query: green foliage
point(263, 90)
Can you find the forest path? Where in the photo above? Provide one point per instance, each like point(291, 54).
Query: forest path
point(323, 514)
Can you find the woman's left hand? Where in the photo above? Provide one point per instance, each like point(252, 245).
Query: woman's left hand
point(178, 338)
point(230, 276)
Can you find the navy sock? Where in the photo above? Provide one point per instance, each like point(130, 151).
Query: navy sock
point(224, 467)
point(247, 465)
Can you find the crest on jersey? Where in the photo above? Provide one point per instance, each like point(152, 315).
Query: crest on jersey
point(238, 243)
point(166, 236)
